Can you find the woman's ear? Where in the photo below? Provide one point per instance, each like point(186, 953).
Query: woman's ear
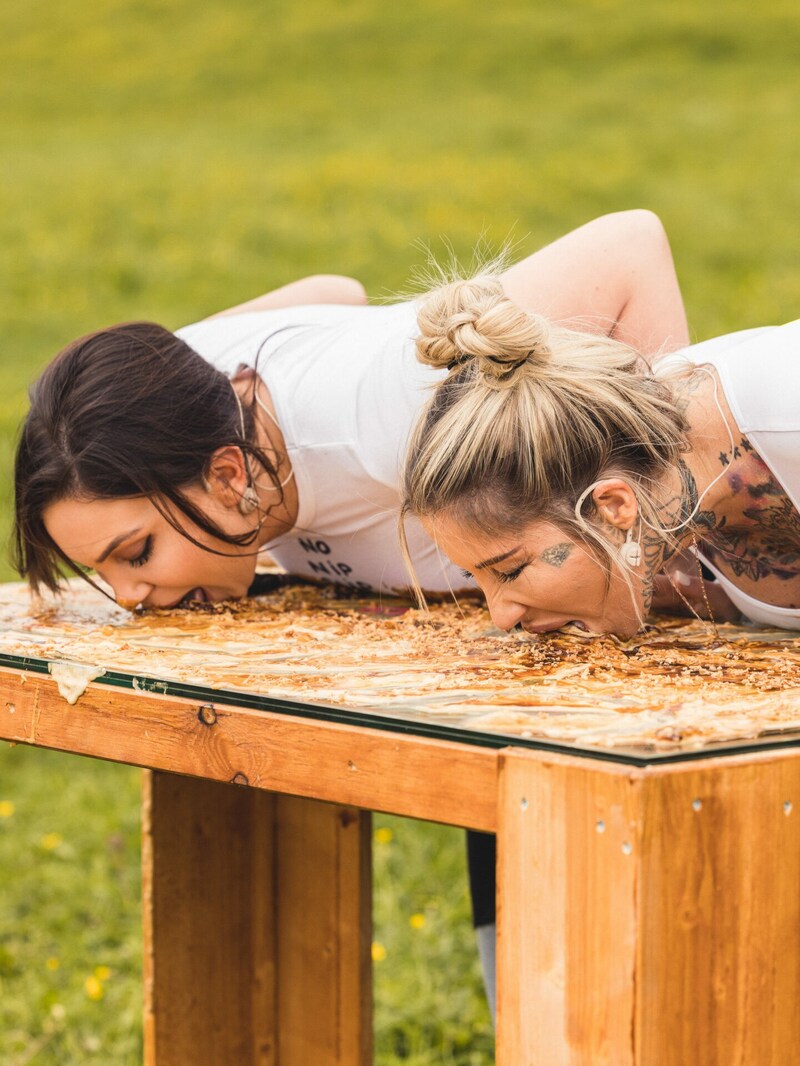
point(616, 503)
point(226, 476)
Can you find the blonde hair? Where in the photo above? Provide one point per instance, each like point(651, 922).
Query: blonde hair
point(530, 416)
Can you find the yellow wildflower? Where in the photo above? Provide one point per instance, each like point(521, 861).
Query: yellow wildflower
point(6, 808)
point(416, 921)
point(102, 973)
point(93, 987)
point(50, 841)
point(383, 835)
point(52, 963)
point(378, 952)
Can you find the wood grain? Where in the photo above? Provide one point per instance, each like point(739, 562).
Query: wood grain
point(208, 906)
point(646, 916)
point(566, 918)
point(324, 927)
point(418, 777)
point(719, 906)
point(649, 917)
point(257, 928)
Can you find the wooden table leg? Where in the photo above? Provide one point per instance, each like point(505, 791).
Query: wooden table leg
point(649, 917)
point(257, 927)
point(566, 916)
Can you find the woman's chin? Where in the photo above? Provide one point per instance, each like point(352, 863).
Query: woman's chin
point(624, 613)
point(623, 626)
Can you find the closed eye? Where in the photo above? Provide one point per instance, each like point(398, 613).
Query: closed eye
point(466, 573)
point(509, 575)
point(145, 553)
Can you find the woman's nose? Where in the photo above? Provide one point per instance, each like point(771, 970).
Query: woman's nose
point(505, 612)
point(129, 592)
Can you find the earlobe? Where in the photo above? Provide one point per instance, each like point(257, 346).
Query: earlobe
point(616, 503)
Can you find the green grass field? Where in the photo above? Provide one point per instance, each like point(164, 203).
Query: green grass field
point(164, 160)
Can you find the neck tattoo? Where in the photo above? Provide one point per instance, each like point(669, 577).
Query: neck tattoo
point(690, 499)
point(677, 511)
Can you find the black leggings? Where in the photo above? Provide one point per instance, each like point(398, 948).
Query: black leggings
point(481, 860)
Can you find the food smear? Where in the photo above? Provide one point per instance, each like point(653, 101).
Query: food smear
point(675, 685)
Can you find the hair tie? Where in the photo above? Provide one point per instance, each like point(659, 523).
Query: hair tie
point(459, 360)
point(507, 364)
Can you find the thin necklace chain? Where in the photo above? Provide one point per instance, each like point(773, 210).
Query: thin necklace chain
point(711, 618)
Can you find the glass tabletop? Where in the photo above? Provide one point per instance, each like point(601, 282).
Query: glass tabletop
point(677, 691)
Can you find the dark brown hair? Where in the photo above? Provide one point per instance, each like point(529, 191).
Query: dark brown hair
point(127, 411)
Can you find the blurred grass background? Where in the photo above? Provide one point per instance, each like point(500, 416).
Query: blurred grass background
point(166, 159)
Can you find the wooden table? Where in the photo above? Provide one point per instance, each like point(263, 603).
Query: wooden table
point(647, 908)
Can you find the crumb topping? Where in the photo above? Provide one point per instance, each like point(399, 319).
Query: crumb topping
point(675, 685)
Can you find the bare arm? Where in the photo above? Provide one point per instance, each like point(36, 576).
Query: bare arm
point(316, 289)
point(615, 275)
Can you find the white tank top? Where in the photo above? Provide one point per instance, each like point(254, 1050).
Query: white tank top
point(759, 370)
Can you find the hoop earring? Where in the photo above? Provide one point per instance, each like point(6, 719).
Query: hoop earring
point(248, 501)
point(630, 553)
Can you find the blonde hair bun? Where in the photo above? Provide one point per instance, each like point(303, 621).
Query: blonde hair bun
point(474, 319)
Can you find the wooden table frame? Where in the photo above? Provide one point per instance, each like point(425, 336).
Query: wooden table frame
point(647, 915)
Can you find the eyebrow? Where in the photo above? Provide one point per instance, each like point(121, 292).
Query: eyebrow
point(497, 558)
point(115, 543)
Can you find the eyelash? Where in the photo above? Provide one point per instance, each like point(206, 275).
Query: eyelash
point(512, 575)
point(145, 553)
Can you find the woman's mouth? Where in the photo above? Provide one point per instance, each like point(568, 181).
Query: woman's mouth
point(573, 626)
point(553, 627)
point(197, 595)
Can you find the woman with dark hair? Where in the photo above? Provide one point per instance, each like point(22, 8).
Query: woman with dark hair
point(164, 462)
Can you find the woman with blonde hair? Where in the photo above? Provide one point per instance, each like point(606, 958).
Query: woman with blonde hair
point(563, 473)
